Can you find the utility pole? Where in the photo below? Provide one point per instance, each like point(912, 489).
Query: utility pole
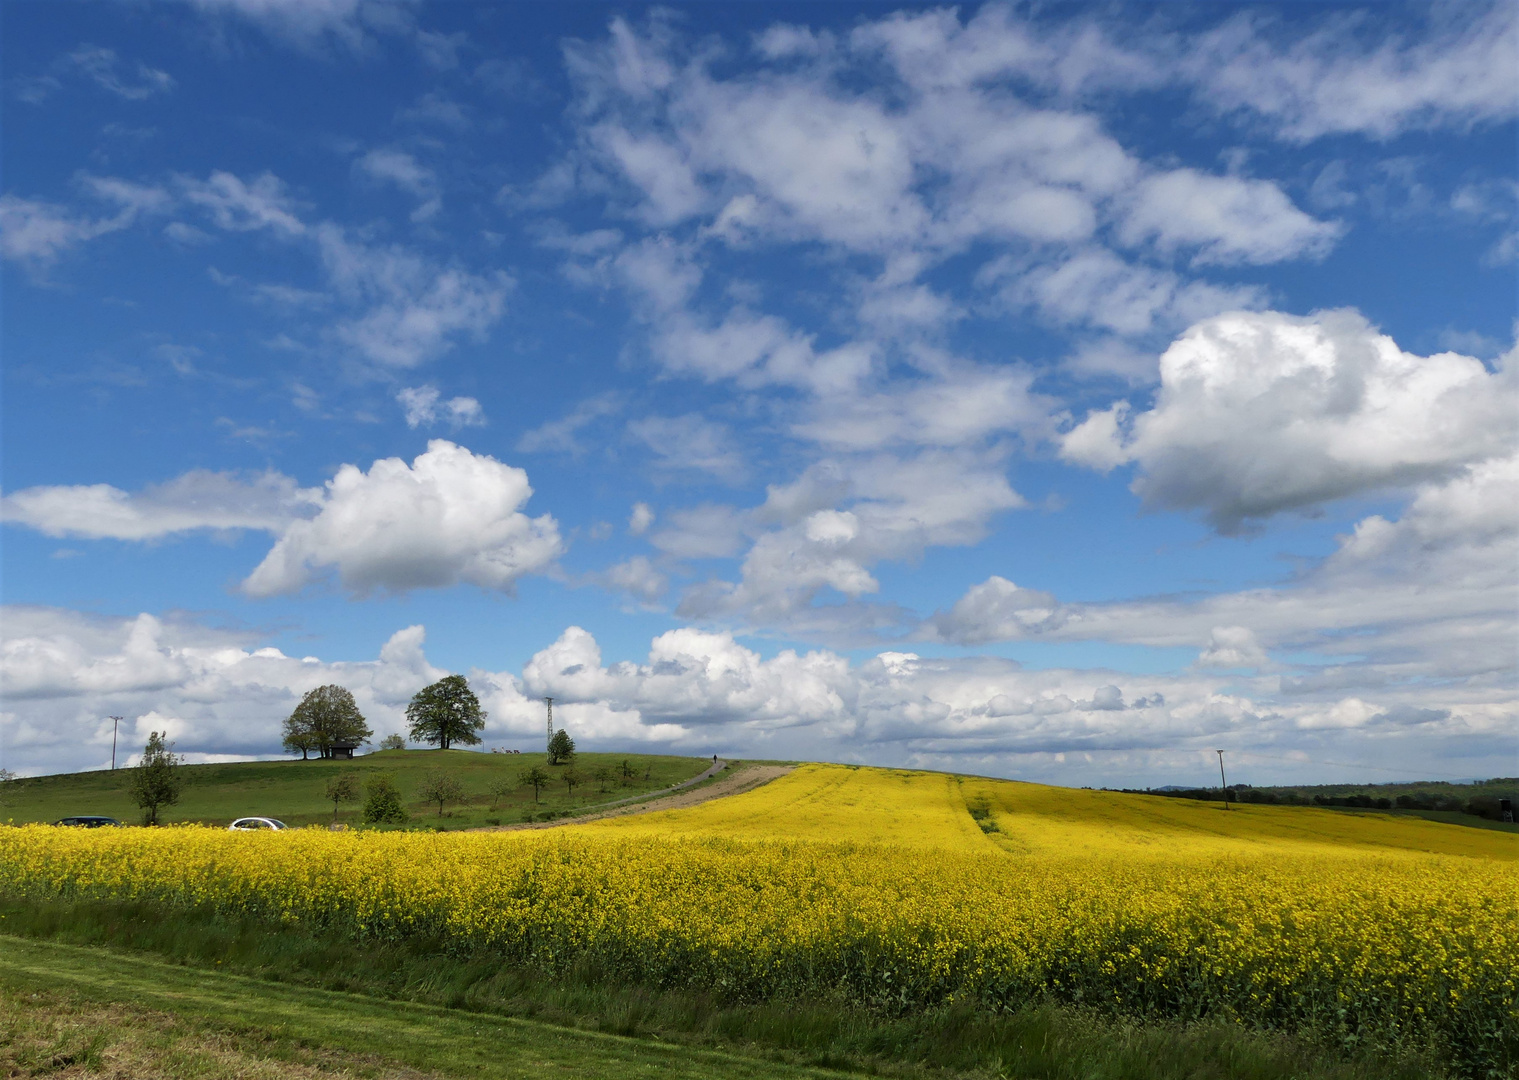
point(115, 723)
point(1221, 779)
point(550, 703)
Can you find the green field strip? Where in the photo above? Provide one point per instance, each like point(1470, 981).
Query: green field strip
point(449, 1041)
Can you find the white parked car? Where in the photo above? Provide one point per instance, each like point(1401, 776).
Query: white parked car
point(246, 824)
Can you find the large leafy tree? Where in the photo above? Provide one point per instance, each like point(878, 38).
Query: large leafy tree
point(325, 716)
point(156, 782)
point(561, 747)
point(445, 713)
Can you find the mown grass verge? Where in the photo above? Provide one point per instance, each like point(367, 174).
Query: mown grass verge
point(1043, 1041)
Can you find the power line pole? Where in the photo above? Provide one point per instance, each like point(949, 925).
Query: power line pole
point(550, 703)
point(1221, 780)
point(115, 723)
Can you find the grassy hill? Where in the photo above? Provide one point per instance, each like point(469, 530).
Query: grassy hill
point(294, 791)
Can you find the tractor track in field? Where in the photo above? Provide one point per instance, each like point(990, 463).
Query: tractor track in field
point(742, 778)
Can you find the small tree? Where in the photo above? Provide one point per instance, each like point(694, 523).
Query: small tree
point(604, 776)
point(441, 788)
point(340, 789)
point(626, 768)
point(392, 742)
point(571, 778)
point(535, 778)
point(382, 802)
point(156, 781)
point(446, 712)
point(561, 747)
point(499, 788)
point(325, 716)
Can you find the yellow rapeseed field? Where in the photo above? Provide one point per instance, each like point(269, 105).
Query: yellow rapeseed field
point(908, 889)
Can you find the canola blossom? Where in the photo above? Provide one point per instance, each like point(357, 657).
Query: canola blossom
point(903, 890)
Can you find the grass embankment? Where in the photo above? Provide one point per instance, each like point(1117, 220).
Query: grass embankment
point(213, 997)
point(294, 791)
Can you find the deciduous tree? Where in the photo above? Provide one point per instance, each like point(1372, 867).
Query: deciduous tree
point(445, 713)
point(340, 789)
point(561, 747)
point(156, 781)
point(441, 788)
point(535, 778)
point(325, 716)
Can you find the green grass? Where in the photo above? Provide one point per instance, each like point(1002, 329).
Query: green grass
point(294, 791)
point(288, 1019)
point(415, 997)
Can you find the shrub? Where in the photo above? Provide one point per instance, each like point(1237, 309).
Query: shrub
point(382, 802)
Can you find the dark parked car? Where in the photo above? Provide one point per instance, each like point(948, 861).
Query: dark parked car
point(87, 821)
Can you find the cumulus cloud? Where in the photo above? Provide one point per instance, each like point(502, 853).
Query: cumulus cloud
point(424, 406)
point(801, 154)
point(1259, 413)
point(1425, 601)
point(640, 519)
point(219, 694)
point(216, 692)
point(451, 516)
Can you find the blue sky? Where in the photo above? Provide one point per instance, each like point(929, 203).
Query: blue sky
point(1058, 393)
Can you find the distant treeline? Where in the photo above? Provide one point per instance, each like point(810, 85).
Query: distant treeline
point(1481, 799)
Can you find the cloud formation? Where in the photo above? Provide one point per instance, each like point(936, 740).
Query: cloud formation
point(1261, 412)
point(449, 517)
point(698, 691)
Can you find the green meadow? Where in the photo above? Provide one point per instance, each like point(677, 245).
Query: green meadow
point(295, 791)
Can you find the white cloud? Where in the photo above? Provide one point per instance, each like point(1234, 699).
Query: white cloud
point(450, 517)
point(100, 64)
point(220, 695)
point(237, 205)
point(1259, 413)
point(690, 444)
point(1456, 73)
point(1094, 287)
point(195, 501)
point(405, 172)
point(1232, 647)
point(1224, 219)
point(415, 309)
point(423, 405)
point(214, 691)
point(560, 435)
point(36, 233)
point(831, 527)
point(308, 23)
point(1424, 602)
point(637, 577)
point(640, 519)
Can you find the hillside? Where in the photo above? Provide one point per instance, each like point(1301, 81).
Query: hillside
point(294, 791)
point(944, 812)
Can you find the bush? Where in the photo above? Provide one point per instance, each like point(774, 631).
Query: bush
point(382, 802)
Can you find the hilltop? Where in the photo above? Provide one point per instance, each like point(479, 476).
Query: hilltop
point(294, 791)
